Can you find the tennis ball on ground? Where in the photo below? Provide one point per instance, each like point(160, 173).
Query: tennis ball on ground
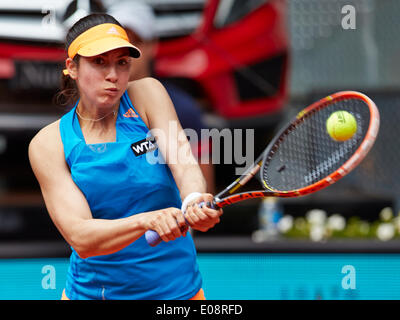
point(341, 125)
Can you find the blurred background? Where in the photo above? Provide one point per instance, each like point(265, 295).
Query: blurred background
point(248, 64)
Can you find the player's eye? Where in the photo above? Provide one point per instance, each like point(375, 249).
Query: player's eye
point(98, 61)
point(123, 62)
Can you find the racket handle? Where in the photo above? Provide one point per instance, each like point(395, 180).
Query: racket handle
point(152, 237)
point(210, 205)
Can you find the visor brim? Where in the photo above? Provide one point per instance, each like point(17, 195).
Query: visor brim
point(107, 44)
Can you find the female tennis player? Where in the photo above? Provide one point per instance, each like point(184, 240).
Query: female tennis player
point(99, 187)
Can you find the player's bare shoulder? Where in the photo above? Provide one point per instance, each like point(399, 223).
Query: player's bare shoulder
point(147, 83)
point(146, 95)
point(46, 144)
point(151, 98)
point(146, 89)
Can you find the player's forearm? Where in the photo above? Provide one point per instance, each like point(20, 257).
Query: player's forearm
point(190, 179)
point(184, 167)
point(95, 237)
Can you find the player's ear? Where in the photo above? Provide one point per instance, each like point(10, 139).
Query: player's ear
point(72, 68)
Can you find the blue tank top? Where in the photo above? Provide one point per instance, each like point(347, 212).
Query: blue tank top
point(118, 182)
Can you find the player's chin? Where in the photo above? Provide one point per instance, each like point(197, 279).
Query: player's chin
point(109, 100)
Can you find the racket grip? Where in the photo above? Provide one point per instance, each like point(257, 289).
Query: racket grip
point(208, 204)
point(153, 238)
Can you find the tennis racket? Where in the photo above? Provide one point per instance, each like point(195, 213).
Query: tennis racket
point(303, 158)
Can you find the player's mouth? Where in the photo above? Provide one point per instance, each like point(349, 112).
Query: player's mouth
point(112, 91)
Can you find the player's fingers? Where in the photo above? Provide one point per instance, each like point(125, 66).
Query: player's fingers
point(175, 222)
point(191, 216)
point(212, 213)
point(182, 223)
point(184, 230)
point(157, 223)
point(200, 214)
point(213, 216)
point(162, 230)
point(188, 216)
point(167, 226)
point(204, 222)
point(205, 198)
point(180, 219)
point(174, 230)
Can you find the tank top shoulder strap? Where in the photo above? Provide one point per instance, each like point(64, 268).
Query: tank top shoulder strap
point(130, 120)
point(127, 108)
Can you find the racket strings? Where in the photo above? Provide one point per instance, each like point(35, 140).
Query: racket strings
point(305, 153)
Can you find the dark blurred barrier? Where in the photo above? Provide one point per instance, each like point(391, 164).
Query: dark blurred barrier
point(217, 244)
point(34, 249)
point(26, 223)
point(246, 245)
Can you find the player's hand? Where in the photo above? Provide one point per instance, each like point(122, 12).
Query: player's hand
point(169, 223)
point(203, 218)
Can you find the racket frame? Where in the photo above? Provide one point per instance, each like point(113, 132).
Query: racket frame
point(220, 201)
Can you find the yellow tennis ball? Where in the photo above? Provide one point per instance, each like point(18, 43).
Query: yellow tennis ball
point(341, 125)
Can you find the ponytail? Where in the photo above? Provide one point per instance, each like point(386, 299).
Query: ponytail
point(68, 94)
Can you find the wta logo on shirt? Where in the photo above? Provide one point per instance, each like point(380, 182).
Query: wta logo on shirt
point(143, 146)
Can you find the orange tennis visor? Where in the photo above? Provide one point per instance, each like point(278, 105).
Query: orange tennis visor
point(100, 39)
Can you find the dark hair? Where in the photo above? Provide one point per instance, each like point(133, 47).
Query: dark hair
point(69, 94)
